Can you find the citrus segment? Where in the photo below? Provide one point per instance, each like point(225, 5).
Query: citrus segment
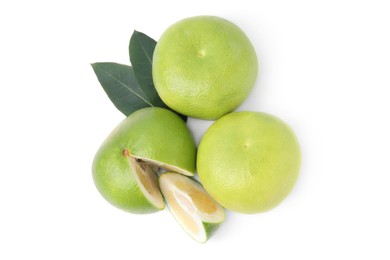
point(147, 181)
point(201, 199)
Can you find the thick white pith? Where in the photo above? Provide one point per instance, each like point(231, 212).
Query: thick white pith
point(165, 166)
point(147, 181)
point(190, 204)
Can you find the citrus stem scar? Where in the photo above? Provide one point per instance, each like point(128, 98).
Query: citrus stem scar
point(126, 152)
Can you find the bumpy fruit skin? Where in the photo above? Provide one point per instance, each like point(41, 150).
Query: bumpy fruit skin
point(248, 161)
point(116, 182)
point(153, 133)
point(204, 67)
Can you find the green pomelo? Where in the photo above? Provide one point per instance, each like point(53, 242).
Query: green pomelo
point(248, 161)
point(147, 139)
point(204, 67)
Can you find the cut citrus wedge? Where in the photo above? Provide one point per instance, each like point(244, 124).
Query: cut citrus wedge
point(194, 209)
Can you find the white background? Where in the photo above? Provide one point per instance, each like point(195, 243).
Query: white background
point(324, 69)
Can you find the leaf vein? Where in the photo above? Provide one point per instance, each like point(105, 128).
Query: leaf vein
point(142, 46)
point(127, 87)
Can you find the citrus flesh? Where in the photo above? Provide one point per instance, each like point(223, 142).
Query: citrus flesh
point(147, 182)
point(123, 167)
point(197, 213)
point(204, 67)
point(248, 161)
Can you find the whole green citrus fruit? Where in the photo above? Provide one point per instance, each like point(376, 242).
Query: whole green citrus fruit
point(248, 161)
point(204, 67)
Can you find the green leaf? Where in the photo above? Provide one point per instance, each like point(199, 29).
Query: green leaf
point(121, 86)
point(141, 50)
point(132, 88)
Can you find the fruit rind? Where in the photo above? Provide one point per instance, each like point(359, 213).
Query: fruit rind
point(210, 229)
point(168, 142)
point(117, 184)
